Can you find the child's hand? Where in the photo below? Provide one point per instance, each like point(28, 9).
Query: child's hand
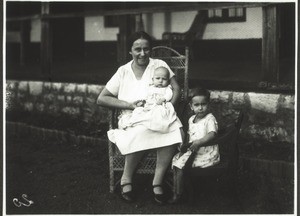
point(184, 147)
point(180, 154)
point(195, 146)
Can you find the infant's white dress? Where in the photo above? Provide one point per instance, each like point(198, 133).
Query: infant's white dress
point(155, 116)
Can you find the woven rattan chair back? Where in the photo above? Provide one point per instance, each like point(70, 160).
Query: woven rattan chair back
point(179, 65)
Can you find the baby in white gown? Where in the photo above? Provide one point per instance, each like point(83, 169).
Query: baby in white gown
point(156, 112)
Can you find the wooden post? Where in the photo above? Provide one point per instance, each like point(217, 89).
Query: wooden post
point(46, 40)
point(270, 44)
point(25, 40)
point(126, 28)
point(186, 74)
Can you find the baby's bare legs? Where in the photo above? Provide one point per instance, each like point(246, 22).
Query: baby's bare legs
point(164, 157)
point(131, 161)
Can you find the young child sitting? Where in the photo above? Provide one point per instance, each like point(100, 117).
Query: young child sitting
point(156, 112)
point(202, 129)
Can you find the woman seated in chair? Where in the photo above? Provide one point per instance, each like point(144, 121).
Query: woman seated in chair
point(125, 90)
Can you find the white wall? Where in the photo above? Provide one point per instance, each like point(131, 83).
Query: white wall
point(94, 29)
point(158, 25)
point(252, 28)
point(181, 22)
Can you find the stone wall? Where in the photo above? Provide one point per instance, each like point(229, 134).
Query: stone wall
point(268, 117)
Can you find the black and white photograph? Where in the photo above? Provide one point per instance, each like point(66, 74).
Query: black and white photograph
point(149, 107)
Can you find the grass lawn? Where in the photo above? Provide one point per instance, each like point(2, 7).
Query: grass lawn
point(65, 178)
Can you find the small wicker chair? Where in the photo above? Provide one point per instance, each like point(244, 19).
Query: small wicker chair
point(227, 168)
point(179, 64)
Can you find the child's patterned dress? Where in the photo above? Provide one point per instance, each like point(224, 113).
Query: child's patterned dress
point(206, 156)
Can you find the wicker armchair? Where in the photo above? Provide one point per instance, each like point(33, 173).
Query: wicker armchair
point(179, 64)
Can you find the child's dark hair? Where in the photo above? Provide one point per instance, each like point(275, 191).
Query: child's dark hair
point(199, 92)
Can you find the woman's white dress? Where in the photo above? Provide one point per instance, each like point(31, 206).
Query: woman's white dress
point(206, 156)
point(126, 87)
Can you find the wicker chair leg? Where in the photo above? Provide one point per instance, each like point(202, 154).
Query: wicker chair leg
point(111, 178)
point(117, 183)
point(111, 182)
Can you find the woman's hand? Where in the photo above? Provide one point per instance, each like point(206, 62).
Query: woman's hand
point(139, 103)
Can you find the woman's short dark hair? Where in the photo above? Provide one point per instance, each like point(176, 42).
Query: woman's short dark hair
point(199, 92)
point(139, 35)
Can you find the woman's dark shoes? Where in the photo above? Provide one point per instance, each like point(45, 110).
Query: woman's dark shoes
point(159, 198)
point(127, 196)
point(176, 199)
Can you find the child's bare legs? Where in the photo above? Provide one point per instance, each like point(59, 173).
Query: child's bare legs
point(164, 157)
point(131, 161)
point(179, 181)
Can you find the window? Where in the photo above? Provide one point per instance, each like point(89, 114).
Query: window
point(226, 15)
